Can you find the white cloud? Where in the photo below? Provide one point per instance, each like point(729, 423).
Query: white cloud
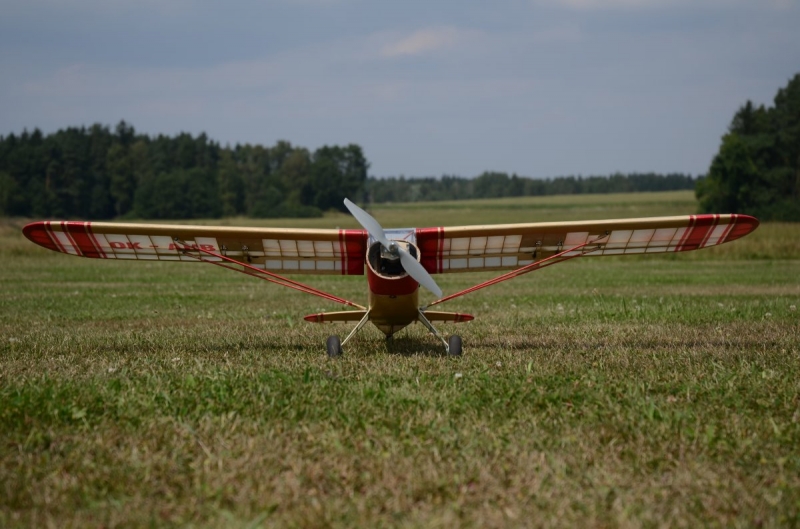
point(425, 41)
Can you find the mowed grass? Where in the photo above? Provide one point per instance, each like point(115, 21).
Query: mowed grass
point(614, 392)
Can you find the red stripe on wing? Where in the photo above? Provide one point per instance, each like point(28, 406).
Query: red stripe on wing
point(728, 228)
point(82, 239)
point(69, 237)
point(342, 252)
point(697, 232)
point(744, 225)
point(686, 233)
point(353, 247)
point(710, 231)
point(50, 233)
point(95, 242)
point(430, 242)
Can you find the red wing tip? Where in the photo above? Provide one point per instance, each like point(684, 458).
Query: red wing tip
point(36, 232)
point(29, 228)
point(747, 219)
point(743, 225)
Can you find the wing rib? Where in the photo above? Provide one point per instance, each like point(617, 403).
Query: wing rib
point(560, 257)
point(260, 274)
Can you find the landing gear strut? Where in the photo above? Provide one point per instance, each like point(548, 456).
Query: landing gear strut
point(333, 344)
point(452, 345)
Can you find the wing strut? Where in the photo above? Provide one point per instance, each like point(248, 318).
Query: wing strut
point(259, 273)
point(560, 257)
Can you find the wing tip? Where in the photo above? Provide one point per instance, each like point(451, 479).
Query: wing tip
point(743, 225)
point(36, 232)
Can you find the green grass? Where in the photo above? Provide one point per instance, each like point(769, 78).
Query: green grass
point(620, 392)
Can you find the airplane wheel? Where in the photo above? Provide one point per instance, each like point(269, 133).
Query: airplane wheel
point(454, 342)
point(334, 346)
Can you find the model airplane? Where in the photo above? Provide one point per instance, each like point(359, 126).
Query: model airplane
point(396, 261)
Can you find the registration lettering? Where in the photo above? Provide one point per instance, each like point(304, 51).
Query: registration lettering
point(125, 245)
point(192, 246)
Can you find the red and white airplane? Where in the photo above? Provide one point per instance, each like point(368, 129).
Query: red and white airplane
point(396, 261)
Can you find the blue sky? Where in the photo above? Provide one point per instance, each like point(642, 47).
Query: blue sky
point(537, 87)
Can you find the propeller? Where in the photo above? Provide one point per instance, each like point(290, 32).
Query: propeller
point(409, 262)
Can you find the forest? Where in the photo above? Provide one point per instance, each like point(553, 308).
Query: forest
point(757, 168)
point(98, 172)
point(495, 185)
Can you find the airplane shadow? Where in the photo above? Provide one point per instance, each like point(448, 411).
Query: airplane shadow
point(413, 346)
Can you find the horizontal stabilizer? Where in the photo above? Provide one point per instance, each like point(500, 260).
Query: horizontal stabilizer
point(336, 316)
point(455, 317)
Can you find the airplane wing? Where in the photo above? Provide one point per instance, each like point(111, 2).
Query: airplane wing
point(290, 251)
point(511, 246)
point(520, 248)
point(443, 249)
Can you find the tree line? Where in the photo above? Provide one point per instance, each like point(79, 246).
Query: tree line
point(97, 173)
point(100, 173)
point(496, 184)
point(757, 168)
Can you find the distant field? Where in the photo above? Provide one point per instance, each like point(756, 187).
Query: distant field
point(615, 392)
point(510, 210)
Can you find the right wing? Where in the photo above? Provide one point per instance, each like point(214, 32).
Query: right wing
point(511, 246)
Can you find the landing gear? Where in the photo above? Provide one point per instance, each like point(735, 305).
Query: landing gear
point(454, 345)
point(424, 321)
point(334, 346)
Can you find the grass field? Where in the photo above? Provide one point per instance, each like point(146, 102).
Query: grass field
point(605, 392)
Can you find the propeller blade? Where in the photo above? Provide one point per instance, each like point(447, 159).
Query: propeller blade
point(410, 264)
point(418, 272)
point(367, 221)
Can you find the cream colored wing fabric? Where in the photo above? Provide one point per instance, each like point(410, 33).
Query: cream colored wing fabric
point(510, 246)
point(274, 249)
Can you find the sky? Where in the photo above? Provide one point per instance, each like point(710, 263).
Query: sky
point(541, 88)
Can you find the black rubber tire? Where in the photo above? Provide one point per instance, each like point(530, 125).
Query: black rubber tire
point(454, 343)
point(334, 346)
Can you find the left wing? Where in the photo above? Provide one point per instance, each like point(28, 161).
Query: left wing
point(511, 246)
point(290, 251)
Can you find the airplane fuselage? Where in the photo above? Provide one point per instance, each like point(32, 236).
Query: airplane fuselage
point(393, 294)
